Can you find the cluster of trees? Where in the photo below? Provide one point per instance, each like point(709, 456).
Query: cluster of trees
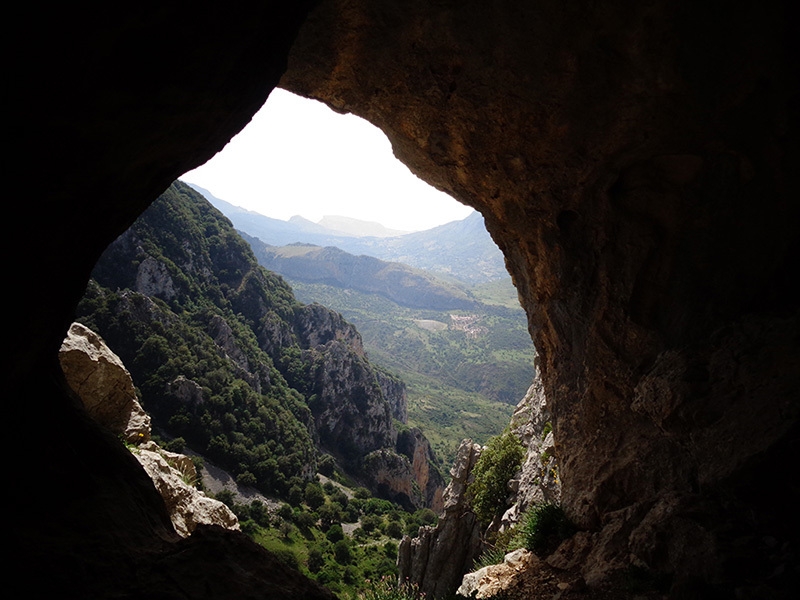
point(308, 532)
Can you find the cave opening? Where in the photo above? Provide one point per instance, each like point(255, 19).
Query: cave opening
point(578, 100)
point(302, 164)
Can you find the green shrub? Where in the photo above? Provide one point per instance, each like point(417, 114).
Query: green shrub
point(315, 560)
point(544, 526)
point(342, 552)
point(388, 589)
point(287, 557)
point(497, 464)
point(490, 556)
point(335, 533)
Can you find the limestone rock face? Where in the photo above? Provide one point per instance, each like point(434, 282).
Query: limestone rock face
point(633, 160)
point(153, 279)
point(103, 384)
point(394, 390)
point(408, 475)
point(495, 580)
point(437, 558)
point(538, 479)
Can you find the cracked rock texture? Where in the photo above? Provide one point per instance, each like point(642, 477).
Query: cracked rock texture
point(106, 390)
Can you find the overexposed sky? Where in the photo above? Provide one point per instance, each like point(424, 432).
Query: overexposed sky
point(298, 157)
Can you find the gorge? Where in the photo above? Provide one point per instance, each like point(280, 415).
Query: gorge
point(632, 161)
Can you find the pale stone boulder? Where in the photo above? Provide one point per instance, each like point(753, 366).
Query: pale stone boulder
point(174, 476)
point(103, 384)
point(493, 580)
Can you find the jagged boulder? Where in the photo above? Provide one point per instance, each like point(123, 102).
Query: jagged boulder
point(101, 381)
point(104, 385)
point(437, 558)
point(492, 580)
point(174, 476)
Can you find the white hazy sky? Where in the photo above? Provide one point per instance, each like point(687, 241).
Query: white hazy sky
point(298, 157)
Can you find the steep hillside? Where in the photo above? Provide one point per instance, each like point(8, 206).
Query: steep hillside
point(225, 356)
point(331, 266)
point(464, 369)
point(462, 249)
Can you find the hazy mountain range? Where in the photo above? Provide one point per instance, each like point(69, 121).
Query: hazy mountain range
point(462, 249)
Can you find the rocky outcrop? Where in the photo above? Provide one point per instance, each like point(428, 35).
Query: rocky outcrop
point(350, 413)
point(175, 476)
point(437, 558)
point(538, 479)
point(394, 390)
point(407, 475)
point(495, 580)
point(101, 381)
point(355, 406)
point(413, 444)
point(153, 279)
point(104, 385)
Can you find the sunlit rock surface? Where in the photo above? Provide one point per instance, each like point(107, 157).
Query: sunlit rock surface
point(438, 556)
point(103, 384)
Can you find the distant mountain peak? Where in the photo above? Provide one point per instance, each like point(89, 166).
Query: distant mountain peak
point(357, 227)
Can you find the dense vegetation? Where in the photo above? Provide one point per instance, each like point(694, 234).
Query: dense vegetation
point(345, 539)
point(497, 464)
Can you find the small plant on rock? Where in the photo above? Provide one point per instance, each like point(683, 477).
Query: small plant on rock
point(544, 527)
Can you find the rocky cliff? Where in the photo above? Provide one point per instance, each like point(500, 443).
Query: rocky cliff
point(633, 161)
point(438, 556)
point(630, 162)
point(459, 538)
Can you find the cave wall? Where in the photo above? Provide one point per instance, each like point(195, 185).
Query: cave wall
point(105, 107)
point(632, 161)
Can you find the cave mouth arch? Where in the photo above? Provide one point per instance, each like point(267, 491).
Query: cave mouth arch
point(522, 111)
point(297, 152)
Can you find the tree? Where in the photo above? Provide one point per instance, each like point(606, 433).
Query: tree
point(314, 496)
point(315, 560)
point(342, 552)
point(497, 464)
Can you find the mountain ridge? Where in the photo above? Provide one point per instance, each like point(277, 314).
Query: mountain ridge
point(332, 266)
point(463, 249)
